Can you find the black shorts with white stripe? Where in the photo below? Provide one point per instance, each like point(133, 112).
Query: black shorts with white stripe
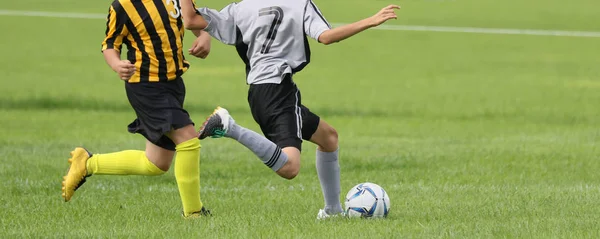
point(278, 110)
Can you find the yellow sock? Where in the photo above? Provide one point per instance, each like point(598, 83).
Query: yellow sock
point(128, 162)
point(187, 174)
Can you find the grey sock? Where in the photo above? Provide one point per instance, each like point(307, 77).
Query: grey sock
point(328, 169)
point(268, 152)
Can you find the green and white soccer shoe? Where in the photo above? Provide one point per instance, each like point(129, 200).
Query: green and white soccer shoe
point(216, 125)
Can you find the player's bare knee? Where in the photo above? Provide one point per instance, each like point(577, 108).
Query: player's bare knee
point(163, 163)
point(330, 143)
point(160, 157)
point(164, 168)
point(290, 169)
point(183, 134)
point(291, 173)
point(333, 138)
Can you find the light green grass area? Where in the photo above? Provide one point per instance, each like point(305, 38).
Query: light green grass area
point(471, 135)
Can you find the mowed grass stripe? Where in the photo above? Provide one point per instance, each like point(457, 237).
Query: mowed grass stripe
point(501, 31)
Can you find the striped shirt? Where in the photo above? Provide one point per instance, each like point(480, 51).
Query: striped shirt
point(153, 32)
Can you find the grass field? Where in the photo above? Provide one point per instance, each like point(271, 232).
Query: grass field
point(472, 135)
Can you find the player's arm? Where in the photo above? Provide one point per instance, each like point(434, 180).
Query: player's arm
point(111, 46)
point(201, 46)
point(221, 24)
point(191, 19)
point(340, 33)
point(197, 33)
point(123, 68)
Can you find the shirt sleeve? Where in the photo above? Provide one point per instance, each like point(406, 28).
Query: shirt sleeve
point(115, 30)
point(221, 24)
point(195, 7)
point(314, 22)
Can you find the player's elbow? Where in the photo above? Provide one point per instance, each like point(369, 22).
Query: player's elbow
point(188, 25)
point(325, 40)
point(194, 22)
point(327, 37)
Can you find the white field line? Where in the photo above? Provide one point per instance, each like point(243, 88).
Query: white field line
point(383, 27)
point(490, 31)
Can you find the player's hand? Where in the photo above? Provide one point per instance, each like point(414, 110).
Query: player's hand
point(125, 69)
point(385, 14)
point(201, 46)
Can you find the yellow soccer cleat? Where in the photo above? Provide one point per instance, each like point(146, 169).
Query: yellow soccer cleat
point(77, 172)
point(202, 213)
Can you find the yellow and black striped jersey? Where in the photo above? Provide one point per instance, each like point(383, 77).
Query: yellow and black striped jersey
point(153, 32)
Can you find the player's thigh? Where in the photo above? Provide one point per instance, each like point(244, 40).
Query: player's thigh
point(275, 108)
point(160, 113)
point(159, 156)
point(182, 126)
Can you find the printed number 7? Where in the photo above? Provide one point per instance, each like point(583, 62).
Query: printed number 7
point(278, 12)
point(177, 12)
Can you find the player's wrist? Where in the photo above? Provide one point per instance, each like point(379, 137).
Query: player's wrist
point(113, 66)
point(371, 21)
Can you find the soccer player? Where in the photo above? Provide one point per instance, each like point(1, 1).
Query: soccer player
point(270, 37)
point(153, 33)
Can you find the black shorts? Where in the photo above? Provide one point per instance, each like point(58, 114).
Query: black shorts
point(159, 109)
point(278, 109)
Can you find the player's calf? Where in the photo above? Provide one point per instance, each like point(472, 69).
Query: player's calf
point(187, 168)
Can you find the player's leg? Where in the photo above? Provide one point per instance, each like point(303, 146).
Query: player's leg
point(153, 161)
point(128, 162)
point(328, 167)
point(159, 156)
point(184, 139)
point(275, 108)
point(148, 102)
point(285, 162)
point(187, 170)
point(325, 137)
point(291, 168)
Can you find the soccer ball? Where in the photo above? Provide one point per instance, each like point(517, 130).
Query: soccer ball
point(367, 200)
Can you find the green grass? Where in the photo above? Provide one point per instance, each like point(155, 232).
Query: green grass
point(473, 136)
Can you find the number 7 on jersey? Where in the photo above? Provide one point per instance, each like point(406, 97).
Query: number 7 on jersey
point(278, 12)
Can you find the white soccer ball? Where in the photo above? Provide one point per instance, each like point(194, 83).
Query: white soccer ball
point(367, 200)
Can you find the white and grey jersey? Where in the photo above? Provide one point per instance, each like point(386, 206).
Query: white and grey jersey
point(270, 35)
